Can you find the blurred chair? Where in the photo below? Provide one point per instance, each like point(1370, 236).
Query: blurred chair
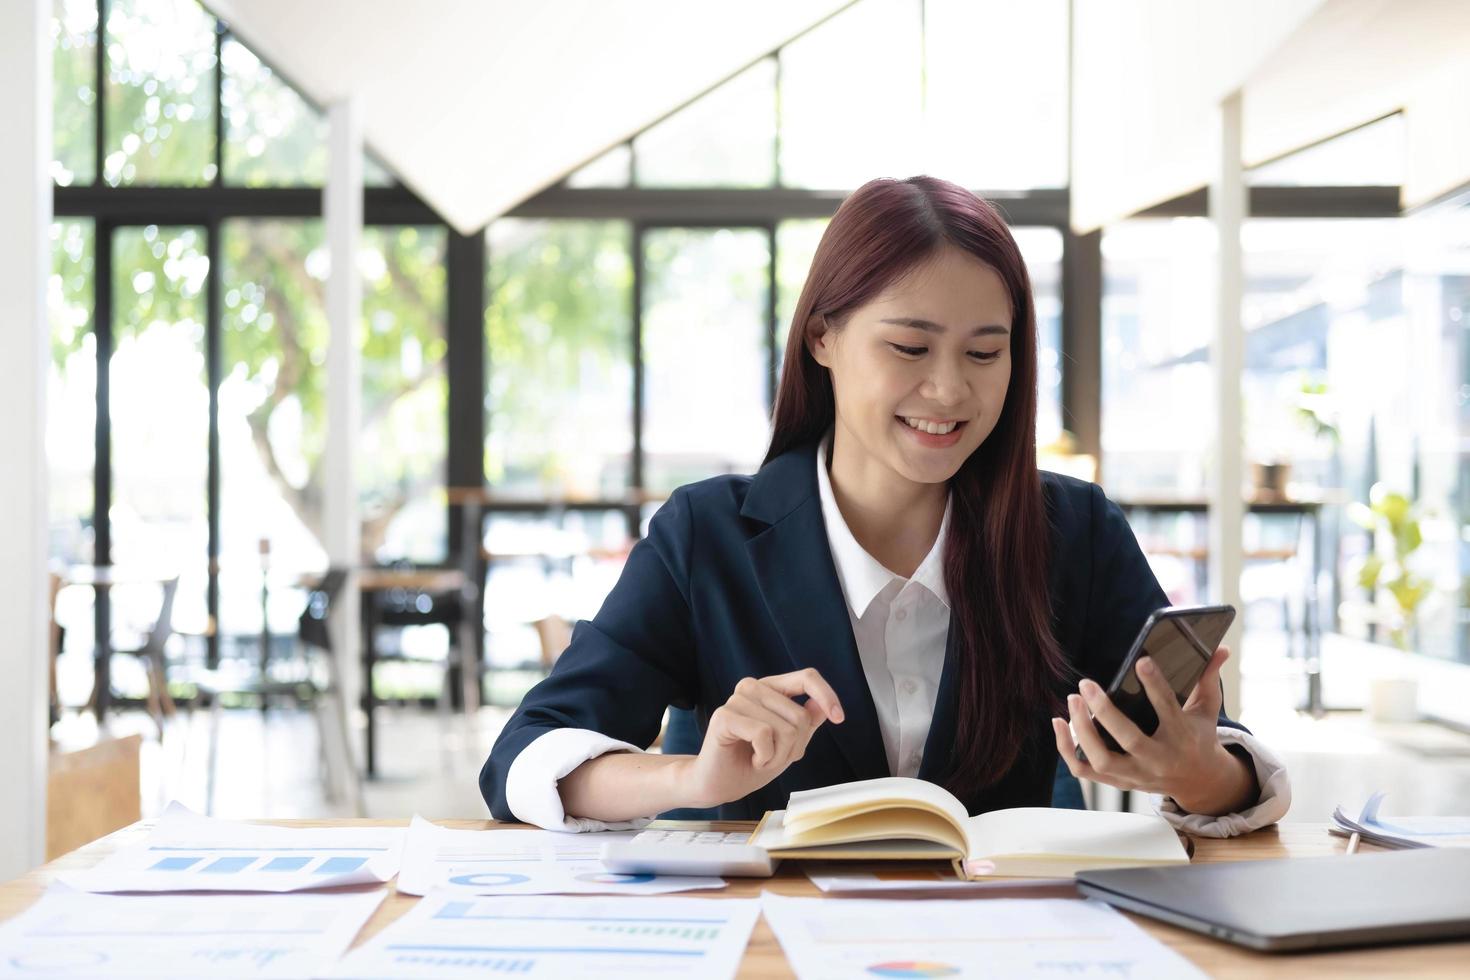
point(56, 635)
point(334, 737)
point(152, 653)
point(398, 608)
point(555, 635)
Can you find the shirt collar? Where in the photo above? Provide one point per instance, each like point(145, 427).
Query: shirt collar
point(861, 575)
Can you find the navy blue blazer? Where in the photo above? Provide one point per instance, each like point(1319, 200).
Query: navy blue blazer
point(735, 579)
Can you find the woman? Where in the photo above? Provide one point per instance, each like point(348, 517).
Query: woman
point(897, 591)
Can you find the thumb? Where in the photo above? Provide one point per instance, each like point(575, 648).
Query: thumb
point(1207, 696)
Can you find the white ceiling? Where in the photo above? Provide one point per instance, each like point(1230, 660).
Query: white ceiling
point(478, 104)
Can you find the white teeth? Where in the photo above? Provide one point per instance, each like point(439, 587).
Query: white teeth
point(933, 428)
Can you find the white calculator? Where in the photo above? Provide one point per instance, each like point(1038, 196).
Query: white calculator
point(688, 852)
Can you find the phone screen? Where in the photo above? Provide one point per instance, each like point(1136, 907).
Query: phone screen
point(1180, 640)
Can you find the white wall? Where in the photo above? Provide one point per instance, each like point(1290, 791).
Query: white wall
point(25, 218)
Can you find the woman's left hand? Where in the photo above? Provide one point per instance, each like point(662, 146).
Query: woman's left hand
point(1183, 759)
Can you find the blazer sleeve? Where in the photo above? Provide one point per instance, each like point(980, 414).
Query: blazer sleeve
point(625, 666)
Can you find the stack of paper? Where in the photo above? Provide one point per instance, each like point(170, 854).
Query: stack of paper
point(449, 935)
point(523, 862)
point(71, 934)
point(1402, 832)
point(188, 852)
point(1003, 937)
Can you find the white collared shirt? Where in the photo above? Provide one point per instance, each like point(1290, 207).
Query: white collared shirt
point(900, 626)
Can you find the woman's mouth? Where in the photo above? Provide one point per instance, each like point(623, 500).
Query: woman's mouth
point(932, 433)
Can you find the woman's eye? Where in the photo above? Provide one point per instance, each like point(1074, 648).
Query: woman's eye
point(908, 351)
point(985, 356)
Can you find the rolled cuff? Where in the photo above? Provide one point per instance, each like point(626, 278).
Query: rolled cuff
point(1271, 806)
point(531, 782)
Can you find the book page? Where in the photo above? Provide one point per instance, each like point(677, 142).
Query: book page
point(1140, 837)
point(814, 807)
point(898, 823)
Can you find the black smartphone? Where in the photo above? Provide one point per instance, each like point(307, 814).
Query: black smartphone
point(1180, 640)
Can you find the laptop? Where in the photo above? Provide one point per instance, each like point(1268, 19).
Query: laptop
point(1302, 903)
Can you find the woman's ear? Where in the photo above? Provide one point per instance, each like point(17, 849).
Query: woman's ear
point(819, 340)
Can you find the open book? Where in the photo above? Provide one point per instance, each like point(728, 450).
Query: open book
point(899, 818)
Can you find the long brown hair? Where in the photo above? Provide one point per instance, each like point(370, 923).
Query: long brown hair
point(996, 552)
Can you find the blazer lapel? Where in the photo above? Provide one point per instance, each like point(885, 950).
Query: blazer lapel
point(792, 562)
point(940, 740)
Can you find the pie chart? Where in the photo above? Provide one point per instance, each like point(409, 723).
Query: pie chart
point(913, 968)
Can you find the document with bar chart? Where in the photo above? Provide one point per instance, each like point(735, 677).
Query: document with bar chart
point(448, 936)
point(70, 934)
point(524, 862)
point(189, 852)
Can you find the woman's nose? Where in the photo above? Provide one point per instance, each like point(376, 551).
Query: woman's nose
point(946, 385)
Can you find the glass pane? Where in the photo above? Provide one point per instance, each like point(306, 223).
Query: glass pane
point(1042, 250)
point(847, 115)
point(160, 93)
point(704, 354)
point(559, 336)
point(1371, 155)
point(71, 402)
point(404, 394)
point(272, 136)
point(74, 92)
point(796, 245)
point(613, 169)
point(726, 138)
point(159, 411)
point(374, 174)
point(996, 114)
point(1154, 274)
point(272, 419)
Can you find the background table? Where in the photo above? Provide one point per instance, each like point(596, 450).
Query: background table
point(763, 957)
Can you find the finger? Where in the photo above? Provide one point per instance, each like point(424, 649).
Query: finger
point(734, 728)
point(1207, 695)
point(1119, 725)
point(784, 733)
point(774, 700)
point(1067, 749)
point(1160, 694)
point(814, 686)
point(1102, 759)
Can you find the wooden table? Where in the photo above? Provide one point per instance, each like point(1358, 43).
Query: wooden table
point(763, 957)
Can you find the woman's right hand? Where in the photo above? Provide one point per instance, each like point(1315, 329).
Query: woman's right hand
point(757, 733)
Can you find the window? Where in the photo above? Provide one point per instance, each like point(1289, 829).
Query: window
point(404, 394)
point(160, 93)
point(705, 325)
point(71, 393)
point(272, 137)
point(272, 416)
point(726, 138)
point(159, 413)
point(74, 91)
point(559, 341)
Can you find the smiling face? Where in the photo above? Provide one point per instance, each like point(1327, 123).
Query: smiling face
point(920, 373)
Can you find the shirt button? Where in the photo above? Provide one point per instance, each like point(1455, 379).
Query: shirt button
point(915, 759)
point(901, 615)
point(909, 687)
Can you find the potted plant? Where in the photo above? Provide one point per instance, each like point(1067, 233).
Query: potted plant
point(1395, 591)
